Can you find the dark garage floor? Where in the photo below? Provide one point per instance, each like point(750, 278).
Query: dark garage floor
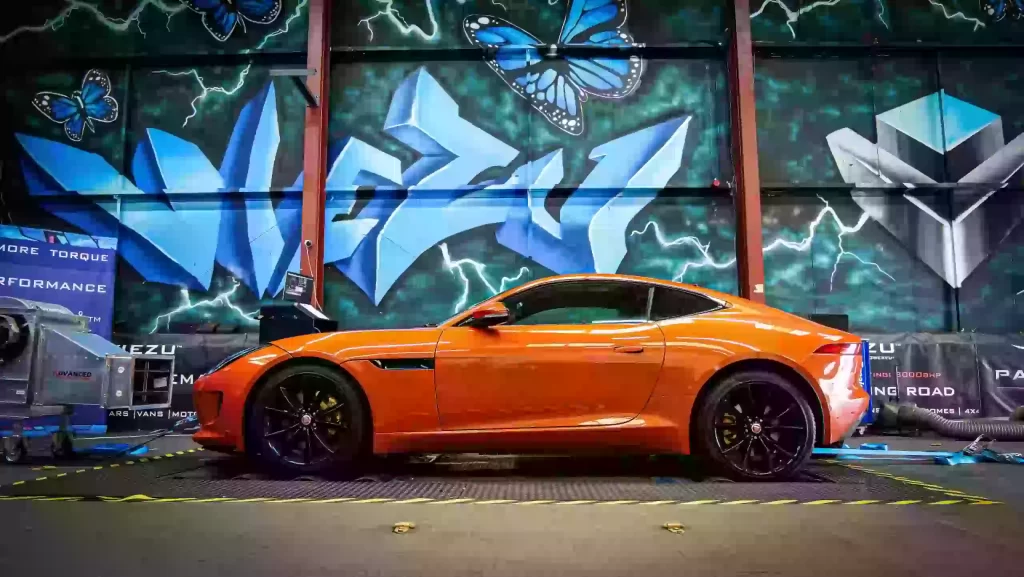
point(195, 512)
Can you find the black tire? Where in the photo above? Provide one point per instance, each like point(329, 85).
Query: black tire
point(770, 441)
point(61, 446)
point(15, 453)
point(319, 421)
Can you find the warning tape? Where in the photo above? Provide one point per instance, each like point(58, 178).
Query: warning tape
point(466, 501)
point(914, 483)
point(99, 467)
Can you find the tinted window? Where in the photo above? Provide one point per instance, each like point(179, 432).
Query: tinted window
point(671, 303)
point(579, 303)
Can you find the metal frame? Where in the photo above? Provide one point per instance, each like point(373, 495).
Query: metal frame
point(314, 162)
point(749, 240)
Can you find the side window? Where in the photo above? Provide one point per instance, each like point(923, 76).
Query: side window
point(579, 303)
point(671, 303)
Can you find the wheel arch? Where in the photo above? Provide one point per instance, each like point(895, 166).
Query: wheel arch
point(304, 361)
point(762, 364)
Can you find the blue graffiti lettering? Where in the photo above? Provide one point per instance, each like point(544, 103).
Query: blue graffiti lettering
point(174, 239)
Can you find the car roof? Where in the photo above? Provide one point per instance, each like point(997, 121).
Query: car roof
point(619, 277)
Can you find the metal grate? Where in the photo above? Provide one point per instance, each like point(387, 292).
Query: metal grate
point(151, 381)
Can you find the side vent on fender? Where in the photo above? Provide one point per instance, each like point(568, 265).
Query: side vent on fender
point(404, 364)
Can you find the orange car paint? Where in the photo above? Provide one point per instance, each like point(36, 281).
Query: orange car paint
point(550, 387)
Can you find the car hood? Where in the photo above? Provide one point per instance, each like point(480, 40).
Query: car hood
point(341, 346)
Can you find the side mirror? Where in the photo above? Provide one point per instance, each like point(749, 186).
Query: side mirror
point(488, 316)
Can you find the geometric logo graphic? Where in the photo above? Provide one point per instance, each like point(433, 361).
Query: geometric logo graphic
point(921, 144)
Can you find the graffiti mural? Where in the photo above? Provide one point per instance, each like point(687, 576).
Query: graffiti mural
point(551, 137)
point(926, 155)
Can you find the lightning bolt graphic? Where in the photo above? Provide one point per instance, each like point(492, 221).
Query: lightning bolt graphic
point(396, 19)
point(115, 24)
point(956, 15)
point(287, 23)
point(221, 300)
point(803, 246)
point(455, 267)
point(206, 89)
point(793, 15)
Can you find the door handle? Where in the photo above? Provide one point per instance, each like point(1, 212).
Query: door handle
point(630, 349)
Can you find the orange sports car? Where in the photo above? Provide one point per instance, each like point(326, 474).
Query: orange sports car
point(563, 364)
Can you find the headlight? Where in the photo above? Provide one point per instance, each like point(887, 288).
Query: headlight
point(234, 357)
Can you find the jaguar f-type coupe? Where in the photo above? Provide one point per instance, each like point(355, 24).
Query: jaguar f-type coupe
point(565, 364)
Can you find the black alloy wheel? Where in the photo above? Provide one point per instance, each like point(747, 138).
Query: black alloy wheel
point(757, 426)
point(307, 419)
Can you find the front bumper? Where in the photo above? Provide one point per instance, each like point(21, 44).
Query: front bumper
point(220, 398)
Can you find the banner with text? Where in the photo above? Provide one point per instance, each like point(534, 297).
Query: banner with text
point(76, 271)
point(193, 355)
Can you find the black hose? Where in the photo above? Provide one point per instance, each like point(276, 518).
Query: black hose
point(964, 430)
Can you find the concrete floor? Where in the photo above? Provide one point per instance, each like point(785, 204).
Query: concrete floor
point(350, 539)
point(108, 540)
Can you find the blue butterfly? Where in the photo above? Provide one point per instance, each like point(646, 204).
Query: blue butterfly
point(221, 16)
point(558, 88)
point(75, 112)
point(997, 9)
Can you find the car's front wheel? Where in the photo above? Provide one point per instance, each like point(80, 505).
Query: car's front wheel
point(756, 425)
point(306, 419)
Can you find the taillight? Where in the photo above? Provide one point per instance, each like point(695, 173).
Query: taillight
point(839, 349)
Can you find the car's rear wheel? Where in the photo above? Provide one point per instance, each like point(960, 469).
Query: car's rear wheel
point(756, 425)
point(306, 419)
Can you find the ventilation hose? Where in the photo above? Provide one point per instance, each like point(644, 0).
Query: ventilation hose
point(963, 430)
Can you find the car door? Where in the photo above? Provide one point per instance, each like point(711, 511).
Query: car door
point(574, 353)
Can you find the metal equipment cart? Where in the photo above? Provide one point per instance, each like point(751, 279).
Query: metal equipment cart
point(50, 363)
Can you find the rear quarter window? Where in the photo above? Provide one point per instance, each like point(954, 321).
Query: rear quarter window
point(673, 303)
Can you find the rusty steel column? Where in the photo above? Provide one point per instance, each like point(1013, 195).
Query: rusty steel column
point(314, 149)
point(749, 256)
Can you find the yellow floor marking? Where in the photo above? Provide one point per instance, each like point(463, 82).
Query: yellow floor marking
point(542, 502)
point(863, 502)
point(451, 501)
point(584, 502)
point(253, 500)
point(174, 500)
point(213, 500)
point(19, 483)
point(495, 502)
point(375, 500)
point(740, 502)
point(822, 502)
point(949, 502)
point(416, 500)
point(905, 502)
point(618, 502)
point(701, 502)
point(657, 502)
point(287, 501)
point(781, 502)
point(41, 478)
point(985, 502)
